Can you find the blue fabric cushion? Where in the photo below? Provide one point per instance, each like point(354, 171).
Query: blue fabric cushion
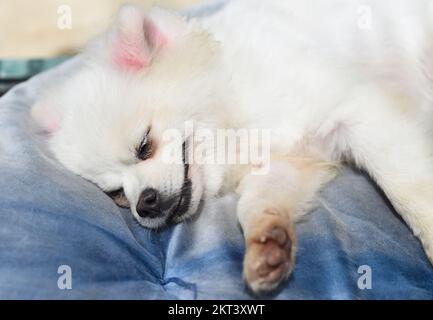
point(49, 217)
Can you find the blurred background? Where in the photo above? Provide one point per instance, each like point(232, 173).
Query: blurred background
point(38, 34)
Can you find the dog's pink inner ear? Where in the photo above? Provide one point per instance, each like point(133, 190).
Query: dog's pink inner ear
point(137, 44)
point(46, 116)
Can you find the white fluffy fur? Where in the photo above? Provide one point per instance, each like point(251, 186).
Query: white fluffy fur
point(330, 89)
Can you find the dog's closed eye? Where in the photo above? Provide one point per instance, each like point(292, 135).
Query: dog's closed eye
point(144, 150)
point(119, 198)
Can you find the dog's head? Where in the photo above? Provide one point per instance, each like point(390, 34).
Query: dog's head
point(119, 120)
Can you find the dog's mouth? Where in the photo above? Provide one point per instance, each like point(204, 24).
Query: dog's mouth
point(183, 204)
point(186, 192)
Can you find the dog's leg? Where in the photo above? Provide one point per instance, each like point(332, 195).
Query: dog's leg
point(268, 207)
point(398, 155)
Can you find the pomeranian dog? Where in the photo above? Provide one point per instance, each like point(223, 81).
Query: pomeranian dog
point(321, 81)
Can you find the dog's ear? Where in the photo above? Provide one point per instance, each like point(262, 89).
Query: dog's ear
point(46, 115)
point(136, 36)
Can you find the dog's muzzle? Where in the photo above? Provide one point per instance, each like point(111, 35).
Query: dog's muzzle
point(151, 204)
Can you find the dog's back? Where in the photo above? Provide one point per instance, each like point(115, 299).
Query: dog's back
point(300, 42)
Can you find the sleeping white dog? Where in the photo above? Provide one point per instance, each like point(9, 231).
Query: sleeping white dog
point(330, 80)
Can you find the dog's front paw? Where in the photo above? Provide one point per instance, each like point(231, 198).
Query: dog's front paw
point(270, 254)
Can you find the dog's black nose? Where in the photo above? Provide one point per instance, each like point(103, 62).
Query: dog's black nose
point(149, 205)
